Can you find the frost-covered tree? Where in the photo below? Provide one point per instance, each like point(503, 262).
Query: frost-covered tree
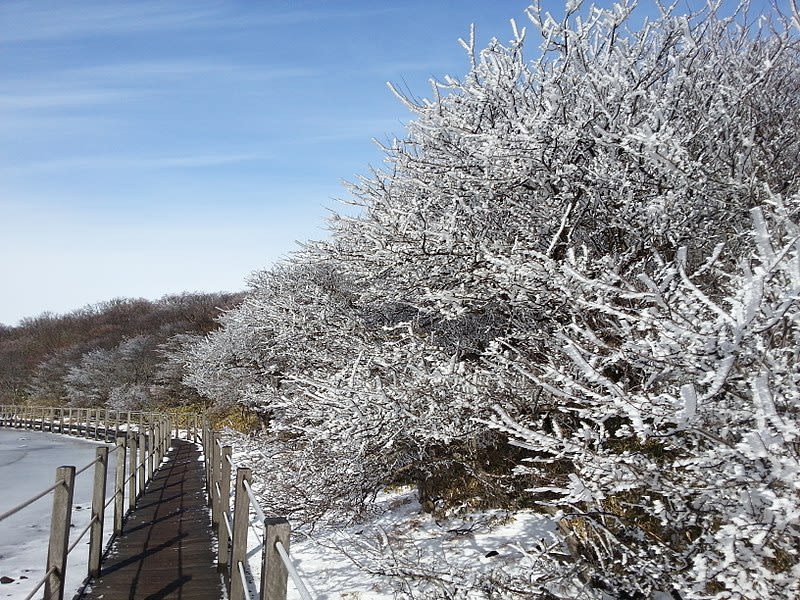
point(119, 377)
point(168, 388)
point(561, 252)
point(669, 438)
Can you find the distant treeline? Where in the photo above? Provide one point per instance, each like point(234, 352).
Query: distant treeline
point(123, 353)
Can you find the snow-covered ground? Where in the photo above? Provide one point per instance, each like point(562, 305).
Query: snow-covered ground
point(28, 461)
point(402, 552)
point(391, 555)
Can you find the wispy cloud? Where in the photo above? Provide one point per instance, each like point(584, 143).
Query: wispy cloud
point(28, 21)
point(308, 16)
point(45, 128)
point(110, 83)
point(60, 99)
point(25, 21)
point(88, 163)
point(149, 71)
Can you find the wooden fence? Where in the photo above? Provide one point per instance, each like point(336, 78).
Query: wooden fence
point(225, 481)
point(141, 441)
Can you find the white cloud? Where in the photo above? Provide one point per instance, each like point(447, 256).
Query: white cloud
point(121, 162)
point(60, 99)
point(36, 21)
point(54, 20)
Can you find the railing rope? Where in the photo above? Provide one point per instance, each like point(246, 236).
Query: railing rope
point(287, 562)
point(28, 502)
point(145, 440)
point(276, 564)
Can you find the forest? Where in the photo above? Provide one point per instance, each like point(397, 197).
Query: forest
point(123, 354)
point(573, 288)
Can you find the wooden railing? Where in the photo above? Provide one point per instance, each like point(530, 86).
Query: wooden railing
point(90, 422)
point(141, 441)
point(232, 529)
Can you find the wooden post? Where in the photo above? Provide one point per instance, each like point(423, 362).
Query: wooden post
point(86, 423)
point(132, 457)
point(119, 486)
point(166, 436)
point(241, 520)
point(61, 420)
point(207, 460)
point(160, 441)
point(98, 511)
point(142, 460)
point(225, 501)
point(97, 412)
point(151, 459)
point(273, 571)
point(60, 522)
point(52, 419)
point(215, 478)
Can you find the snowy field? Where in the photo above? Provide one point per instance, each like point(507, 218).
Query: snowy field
point(28, 461)
point(389, 556)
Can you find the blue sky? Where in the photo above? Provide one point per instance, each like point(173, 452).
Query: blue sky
point(162, 146)
point(155, 147)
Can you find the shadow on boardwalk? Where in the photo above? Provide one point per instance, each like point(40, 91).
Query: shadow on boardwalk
point(165, 550)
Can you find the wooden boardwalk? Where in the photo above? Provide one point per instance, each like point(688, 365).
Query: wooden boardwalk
point(165, 550)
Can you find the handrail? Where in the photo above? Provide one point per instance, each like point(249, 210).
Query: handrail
point(92, 521)
point(287, 561)
point(110, 499)
point(41, 582)
point(277, 566)
point(91, 464)
point(245, 587)
point(30, 501)
point(254, 502)
point(152, 431)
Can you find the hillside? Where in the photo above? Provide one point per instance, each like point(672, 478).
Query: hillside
point(117, 353)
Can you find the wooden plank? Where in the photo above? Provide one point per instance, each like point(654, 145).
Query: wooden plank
point(165, 550)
